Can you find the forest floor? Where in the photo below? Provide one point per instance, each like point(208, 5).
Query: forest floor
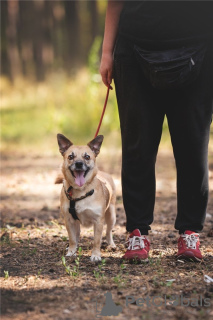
point(36, 285)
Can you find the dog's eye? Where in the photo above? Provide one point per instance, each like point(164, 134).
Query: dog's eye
point(87, 157)
point(71, 157)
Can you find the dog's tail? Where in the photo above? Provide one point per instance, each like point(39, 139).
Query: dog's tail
point(59, 179)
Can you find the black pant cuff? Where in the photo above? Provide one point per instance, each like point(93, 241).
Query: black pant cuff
point(144, 232)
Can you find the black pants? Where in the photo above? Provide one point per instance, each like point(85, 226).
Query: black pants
point(142, 109)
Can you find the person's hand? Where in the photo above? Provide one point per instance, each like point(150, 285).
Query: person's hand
point(106, 67)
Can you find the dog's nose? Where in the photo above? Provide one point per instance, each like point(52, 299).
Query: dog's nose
point(79, 164)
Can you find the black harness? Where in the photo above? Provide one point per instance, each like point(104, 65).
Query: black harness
point(72, 200)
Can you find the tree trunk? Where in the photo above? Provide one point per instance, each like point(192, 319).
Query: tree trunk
point(5, 65)
point(73, 32)
point(13, 53)
point(38, 39)
point(94, 18)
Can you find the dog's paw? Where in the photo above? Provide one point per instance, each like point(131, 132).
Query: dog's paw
point(111, 245)
point(95, 258)
point(70, 253)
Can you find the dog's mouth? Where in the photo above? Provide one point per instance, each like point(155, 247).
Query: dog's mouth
point(79, 176)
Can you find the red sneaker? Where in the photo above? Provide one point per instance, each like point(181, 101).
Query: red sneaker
point(138, 247)
point(188, 246)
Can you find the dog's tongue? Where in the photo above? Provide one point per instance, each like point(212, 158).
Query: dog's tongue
point(79, 178)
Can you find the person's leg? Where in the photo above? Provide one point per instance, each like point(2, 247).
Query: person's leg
point(141, 117)
point(189, 117)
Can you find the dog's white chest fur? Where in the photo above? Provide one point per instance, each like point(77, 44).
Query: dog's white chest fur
point(88, 211)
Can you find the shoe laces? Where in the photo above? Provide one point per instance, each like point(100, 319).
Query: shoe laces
point(191, 240)
point(135, 243)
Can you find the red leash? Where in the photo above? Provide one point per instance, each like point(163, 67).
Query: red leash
point(105, 104)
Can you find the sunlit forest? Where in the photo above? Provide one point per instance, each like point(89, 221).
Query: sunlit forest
point(39, 37)
point(50, 80)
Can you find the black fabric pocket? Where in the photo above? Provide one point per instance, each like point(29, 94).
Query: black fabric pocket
point(171, 68)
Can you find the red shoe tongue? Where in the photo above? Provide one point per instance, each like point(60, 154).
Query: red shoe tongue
point(189, 232)
point(136, 233)
point(79, 178)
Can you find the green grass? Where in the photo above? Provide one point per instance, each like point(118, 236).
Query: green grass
point(33, 113)
point(6, 275)
point(74, 271)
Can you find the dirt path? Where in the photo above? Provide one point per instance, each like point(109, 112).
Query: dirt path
point(35, 284)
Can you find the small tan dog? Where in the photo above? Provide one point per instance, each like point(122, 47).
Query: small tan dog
point(87, 196)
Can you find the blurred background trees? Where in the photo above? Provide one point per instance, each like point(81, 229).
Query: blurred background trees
point(40, 36)
point(50, 82)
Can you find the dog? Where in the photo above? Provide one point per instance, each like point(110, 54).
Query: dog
point(87, 196)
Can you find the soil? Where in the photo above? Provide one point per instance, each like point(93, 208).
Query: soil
point(35, 283)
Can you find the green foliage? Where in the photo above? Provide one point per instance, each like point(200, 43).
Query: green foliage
point(6, 275)
point(64, 238)
point(74, 272)
point(169, 283)
point(119, 279)
point(39, 272)
point(32, 114)
point(94, 56)
point(99, 274)
point(27, 250)
point(5, 238)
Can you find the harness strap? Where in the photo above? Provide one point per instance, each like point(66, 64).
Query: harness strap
point(72, 209)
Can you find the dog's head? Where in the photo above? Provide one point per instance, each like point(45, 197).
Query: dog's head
point(79, 161)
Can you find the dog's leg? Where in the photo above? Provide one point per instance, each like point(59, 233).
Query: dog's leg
point(110, 218)
point(73, 232)
point(78, 230)
point(98, 230)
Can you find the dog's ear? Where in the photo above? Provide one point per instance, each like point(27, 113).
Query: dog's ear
point(63, 143)
point(95, 144)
